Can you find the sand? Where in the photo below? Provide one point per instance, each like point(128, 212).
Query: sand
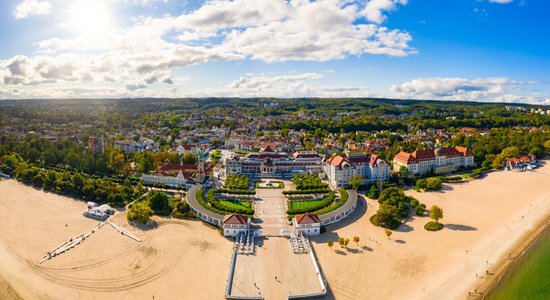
point(485, 219)
point(255, 274)
point(176, 260)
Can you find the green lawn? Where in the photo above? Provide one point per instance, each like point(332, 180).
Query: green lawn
point(304, 204)
point(237, 203)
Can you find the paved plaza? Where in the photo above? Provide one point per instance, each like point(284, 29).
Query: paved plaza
point(255, 274)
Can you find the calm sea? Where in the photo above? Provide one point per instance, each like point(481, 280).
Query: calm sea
point(530, 278)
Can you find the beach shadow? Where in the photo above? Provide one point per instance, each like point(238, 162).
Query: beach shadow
point(459, 227)
point(367, 248)
point(149, 226)
point(404, 228)
point(340, 252)
point(446, 187)
point(400, 241)
point(354, 251)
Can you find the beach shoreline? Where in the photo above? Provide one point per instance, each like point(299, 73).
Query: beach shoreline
point(506, 263)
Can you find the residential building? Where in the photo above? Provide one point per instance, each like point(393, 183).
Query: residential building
point(129, 146)
point(308, 224)
point(438, 161)
point(96, 144)
point(339, 169)
point(234, 224)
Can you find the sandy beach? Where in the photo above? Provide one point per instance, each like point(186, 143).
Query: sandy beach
point(183, 258)
point(485, 220)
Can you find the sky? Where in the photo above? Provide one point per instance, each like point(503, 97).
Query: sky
point(474, 50)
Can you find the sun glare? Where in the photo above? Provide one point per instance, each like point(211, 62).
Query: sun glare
point(90, 17)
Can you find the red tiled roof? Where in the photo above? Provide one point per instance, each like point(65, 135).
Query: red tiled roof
point(464, 151)
point(307, 218)
point(336, 161)
point(405, 157)
point(424, 154)
point(235, 219)
point(267, 149)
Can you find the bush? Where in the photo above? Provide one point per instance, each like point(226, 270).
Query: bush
point(433, 226)
point(420, 209)
point(451, 179)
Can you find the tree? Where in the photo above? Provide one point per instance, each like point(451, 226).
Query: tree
point(547, 146)
point(434, 183)
point(356, 180)
point(330, 243)
point(140, 212)
point(356, 240)
point(158, 202)
point(341, 241)
point(346, 242)
point(436, 213)
point(374, 193)
point(404, 172)
point(388, 233)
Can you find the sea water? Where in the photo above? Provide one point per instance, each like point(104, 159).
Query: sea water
point(529, 279)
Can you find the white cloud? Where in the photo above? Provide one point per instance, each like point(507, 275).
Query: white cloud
point(501, 1)
point(498, 89)
point(29, 8)
point(374, 10)
point(272, 31)
point(287, 85)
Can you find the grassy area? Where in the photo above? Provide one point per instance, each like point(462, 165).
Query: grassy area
point(237, 203)
point(305, 205)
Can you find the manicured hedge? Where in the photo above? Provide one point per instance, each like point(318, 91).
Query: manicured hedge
point(327, 200)
point(344, 196)
point(237, 192)
point(303, 192)
point(227, 207)
point(200, 199)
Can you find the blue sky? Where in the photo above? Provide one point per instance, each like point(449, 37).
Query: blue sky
point(478, 50)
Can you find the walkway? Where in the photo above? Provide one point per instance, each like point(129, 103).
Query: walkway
point(270, 211)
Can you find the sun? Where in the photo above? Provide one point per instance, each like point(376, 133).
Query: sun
point(91, 18)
